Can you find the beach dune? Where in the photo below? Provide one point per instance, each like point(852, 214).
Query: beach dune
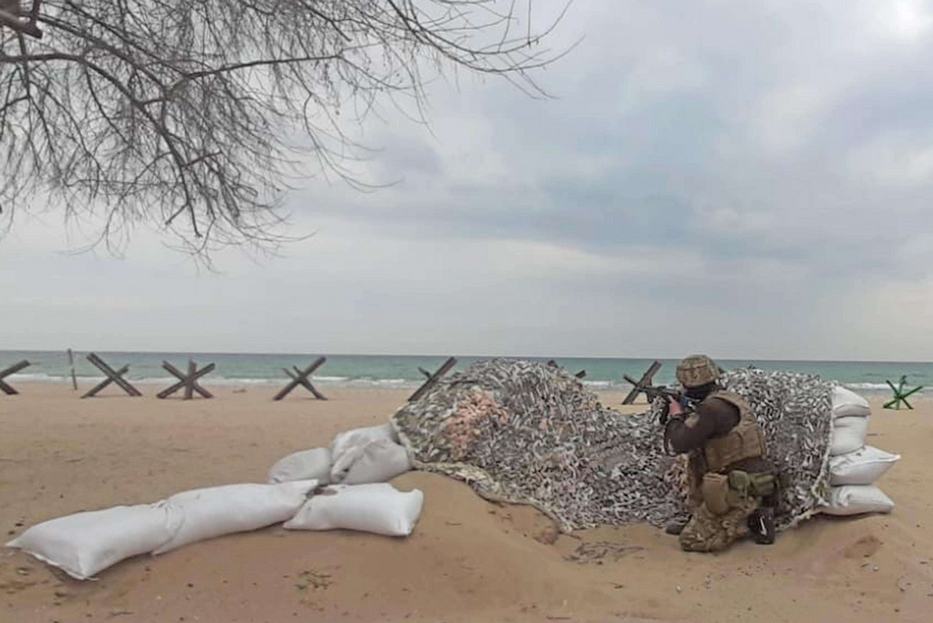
point(468, 560)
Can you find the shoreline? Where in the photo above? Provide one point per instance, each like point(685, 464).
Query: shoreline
point(360, 371)
point(599, 387)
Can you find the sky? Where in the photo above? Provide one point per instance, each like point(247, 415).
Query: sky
point(749, 179)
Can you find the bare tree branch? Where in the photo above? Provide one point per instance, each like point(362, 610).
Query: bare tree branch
point(138, 112)
point(10, 16)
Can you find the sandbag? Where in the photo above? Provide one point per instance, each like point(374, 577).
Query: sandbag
point(85, 544)
point(848, 434)
point(860, 467)
point(380, 460)
point(311, 464)
point(847, 403)
point(360, 437)
point(377, 508)
point(216, 511)
point(857, 499)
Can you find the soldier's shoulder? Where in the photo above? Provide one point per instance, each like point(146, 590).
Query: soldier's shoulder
point(720, 404)
point(732, 398)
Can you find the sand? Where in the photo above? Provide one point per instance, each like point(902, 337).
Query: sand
point(468, 560)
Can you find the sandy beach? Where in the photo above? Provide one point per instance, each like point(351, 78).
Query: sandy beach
point(468, 560)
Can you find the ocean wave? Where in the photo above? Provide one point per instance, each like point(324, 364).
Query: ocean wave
point(868, 386)
point(880, 388)
point(223, 380)
point(363, 381)
point(381, 382)
point(600, 384)
point(37, 377)
point(324, 380)
point(41, 377)
point(167, 380)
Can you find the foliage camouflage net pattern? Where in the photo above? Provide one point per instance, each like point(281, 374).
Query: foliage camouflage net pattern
point(526, 433)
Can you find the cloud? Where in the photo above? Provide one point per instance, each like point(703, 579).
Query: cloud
point(897, 160)
point(752, 179)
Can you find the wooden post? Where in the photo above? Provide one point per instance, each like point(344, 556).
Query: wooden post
point(432, 378)
point(178, 374)
point(188, 381)
point(296, 376)
point(71, 363)
point(643, 384)
point(300, 377)
point(113, 376)
point(16, 367)
point(105, 383)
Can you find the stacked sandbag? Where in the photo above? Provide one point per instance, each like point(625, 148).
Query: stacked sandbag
point(368, 455)
point(379, 460)
point(84, 544)
point(853, 466)
point(378, 508)
point(217, 511)
point(311, 464)
point(359, 456)
point(359, 463)
point(344, 441)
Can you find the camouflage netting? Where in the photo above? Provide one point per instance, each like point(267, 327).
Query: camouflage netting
point(526, 433)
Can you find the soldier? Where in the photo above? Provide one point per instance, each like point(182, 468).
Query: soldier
point(732, 485)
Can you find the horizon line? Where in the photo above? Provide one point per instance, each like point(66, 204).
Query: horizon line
point(470, 356)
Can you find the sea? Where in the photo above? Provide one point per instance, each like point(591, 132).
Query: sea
point(403, 370)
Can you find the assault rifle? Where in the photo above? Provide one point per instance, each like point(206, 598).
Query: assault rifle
point(688, 404)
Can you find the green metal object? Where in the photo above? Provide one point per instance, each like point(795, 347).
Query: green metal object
point(900, 395)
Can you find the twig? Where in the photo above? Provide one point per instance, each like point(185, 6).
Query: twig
point(27, 27)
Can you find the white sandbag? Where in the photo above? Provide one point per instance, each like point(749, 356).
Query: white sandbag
point(848, 434)
point(857, 499)
point(378, 461)
point(377, 508)
point(359, 437)
point(85, 544)
point(311, 464)
point(216, 511)
point(861, 467)
point(847, 403)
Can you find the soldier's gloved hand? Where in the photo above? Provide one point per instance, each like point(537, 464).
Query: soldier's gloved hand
point(665, 412)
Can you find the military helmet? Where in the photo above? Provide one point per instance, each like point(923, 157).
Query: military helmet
point(697, 370)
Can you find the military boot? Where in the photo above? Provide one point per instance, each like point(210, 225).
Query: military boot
point(676, 526)
point(761, 525)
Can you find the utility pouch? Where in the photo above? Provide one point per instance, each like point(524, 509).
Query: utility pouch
point(751, 485)
point(715, 489)
point(762, 484)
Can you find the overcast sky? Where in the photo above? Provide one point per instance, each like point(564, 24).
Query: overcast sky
point(751, 179)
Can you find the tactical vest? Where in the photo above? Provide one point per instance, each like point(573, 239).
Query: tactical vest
point(744, 441)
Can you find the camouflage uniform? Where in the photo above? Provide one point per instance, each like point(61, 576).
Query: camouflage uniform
point(717, 445)
point(706, 532)
point(694, 478)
